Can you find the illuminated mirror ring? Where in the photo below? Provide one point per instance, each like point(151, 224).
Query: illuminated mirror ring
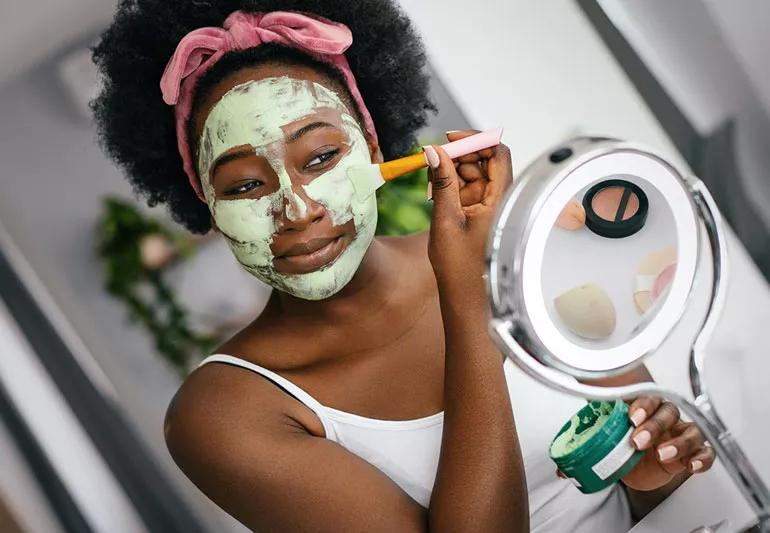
point(554, 186)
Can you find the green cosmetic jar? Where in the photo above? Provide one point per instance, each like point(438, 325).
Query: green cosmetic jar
point(594, 448)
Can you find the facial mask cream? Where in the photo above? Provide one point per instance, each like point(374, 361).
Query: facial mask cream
point(255, 114)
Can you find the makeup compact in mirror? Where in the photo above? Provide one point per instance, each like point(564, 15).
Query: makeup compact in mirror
point(591, 264)
point(615, 208)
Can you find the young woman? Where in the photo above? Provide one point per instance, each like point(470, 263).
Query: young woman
point(367, 395)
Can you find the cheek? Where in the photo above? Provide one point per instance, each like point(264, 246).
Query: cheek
point(248, 226)
point(331, 191)
point(245, 220)
point(335, 191)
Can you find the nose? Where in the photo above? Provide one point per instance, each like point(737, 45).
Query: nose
point(298, 211)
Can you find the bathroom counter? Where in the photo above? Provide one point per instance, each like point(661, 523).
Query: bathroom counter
point(703, 500)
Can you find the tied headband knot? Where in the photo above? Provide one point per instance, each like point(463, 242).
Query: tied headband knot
point(200, 49)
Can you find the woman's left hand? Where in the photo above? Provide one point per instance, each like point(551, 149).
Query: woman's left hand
point(672, 446)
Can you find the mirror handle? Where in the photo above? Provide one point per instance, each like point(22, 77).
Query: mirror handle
point(715, 230)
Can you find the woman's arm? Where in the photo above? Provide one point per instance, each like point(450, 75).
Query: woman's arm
point(480, 485)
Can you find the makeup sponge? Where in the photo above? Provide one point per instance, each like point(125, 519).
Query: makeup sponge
point(572, 217)
point(587, 311)
point(653, 276)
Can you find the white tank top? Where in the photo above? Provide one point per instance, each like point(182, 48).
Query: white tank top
point(407, 451)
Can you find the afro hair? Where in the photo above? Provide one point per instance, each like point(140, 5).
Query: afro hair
point(136, 128)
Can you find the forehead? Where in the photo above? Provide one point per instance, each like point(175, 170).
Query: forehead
point(256, 112)
point(262, 106)
point(257, 73)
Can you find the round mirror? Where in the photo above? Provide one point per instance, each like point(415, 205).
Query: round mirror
point(591, 262)
point(594, 255)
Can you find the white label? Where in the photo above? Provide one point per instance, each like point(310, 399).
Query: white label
point(616, 458)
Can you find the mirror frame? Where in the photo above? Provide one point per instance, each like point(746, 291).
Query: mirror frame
point(527, 215)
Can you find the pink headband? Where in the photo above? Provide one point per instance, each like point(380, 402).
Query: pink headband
point(200, 49)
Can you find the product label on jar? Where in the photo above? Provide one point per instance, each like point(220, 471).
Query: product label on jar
point(616, 458)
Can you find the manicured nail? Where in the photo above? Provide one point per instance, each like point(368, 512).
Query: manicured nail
point(667, 453)
point(642, 439)
point(429, 192)
point(638, 416)
point(432, 156)
point(696, 465)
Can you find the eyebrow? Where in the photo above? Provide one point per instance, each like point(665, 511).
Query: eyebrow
point(307, 129)
point(246, 152)
point(232, 156)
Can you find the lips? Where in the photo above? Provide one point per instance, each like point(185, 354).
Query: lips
point(311, 255)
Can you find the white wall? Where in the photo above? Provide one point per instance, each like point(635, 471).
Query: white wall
point(536, 68)
point(32, 31)
point(744, 26)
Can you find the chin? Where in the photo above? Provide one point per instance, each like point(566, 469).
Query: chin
point(326, 281)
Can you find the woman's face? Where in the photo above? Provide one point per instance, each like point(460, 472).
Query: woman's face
point(273, 158)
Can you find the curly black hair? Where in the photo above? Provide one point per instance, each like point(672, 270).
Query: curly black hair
point(136, 128)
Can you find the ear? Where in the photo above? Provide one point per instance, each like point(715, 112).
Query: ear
point(374, 150)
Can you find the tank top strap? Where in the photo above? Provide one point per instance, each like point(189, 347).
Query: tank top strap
point(289, 387)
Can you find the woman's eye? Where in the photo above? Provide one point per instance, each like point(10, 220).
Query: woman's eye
point(243, 188)
point(321, 159)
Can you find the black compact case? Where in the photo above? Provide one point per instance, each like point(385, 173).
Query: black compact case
point(621, 225)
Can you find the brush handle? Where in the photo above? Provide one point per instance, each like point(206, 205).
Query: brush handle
point(473, 143)
point(468, 145)
point(399, 167)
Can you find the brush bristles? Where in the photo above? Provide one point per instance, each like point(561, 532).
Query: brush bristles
point(366, 180)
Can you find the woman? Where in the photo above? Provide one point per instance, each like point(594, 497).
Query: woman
point(367, 395)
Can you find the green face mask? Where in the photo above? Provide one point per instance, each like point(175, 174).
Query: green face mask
point(254, 114)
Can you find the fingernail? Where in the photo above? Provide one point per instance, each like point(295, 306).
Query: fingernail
point(642, 439)
point(432, 156)
point(452, 131)
point(696, 465)
point(638, 416)
point(429, 192)
point(666, 453)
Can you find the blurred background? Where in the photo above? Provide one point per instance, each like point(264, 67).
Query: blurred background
point(105, 304)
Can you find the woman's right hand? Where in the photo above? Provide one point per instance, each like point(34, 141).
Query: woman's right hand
point(465, 198)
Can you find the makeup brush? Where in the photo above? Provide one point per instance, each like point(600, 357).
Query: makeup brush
point(367, 179)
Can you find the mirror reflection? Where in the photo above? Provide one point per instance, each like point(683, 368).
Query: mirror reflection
point(609, 261)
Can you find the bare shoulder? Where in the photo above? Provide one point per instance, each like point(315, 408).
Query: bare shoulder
point(221, 408)
point(256, 452)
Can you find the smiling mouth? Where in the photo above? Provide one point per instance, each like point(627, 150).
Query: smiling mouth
point(310, 256)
